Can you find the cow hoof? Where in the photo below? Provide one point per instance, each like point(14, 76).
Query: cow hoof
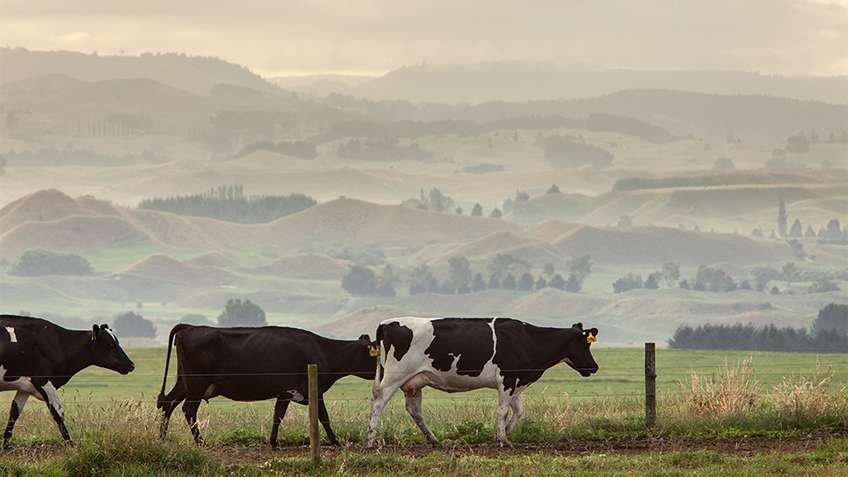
point(505, 443)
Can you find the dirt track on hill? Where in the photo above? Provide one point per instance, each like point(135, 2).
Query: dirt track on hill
point(743, 446)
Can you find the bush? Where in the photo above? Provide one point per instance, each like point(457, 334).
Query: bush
point(35, 263)
point(194, 319)
point(242, 313)
point(133, 325)
point(626, 283)
point(832, 317)
point(360, 280)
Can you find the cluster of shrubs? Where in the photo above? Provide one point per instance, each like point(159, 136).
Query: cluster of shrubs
point(231, 204)
point(35, 263)
point(829, 334)
point(382, 149)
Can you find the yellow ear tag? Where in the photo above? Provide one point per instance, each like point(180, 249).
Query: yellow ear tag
point(93, 335)
point(372, 351)
point(590, 338)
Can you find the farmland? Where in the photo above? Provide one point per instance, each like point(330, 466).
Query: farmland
point(591, 424)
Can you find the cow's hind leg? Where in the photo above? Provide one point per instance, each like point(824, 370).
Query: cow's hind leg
point(324, 417)
point(413, 407)
point(190, 407)
point(167, 404)
point(279, 413)
point(517, 411)
point(51, 398)
point(382, 394)
point(14, 413)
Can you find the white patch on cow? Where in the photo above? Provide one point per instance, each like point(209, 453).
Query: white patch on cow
point(53, 399)
point(112, 334)
point(296, 396)
point(12, 336)
point(415, 370)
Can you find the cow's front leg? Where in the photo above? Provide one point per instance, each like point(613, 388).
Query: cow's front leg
point(517, 411)
point(504, 399)
point(381, 396)
point(51, 398)
point(14, 413)
point(279, 413)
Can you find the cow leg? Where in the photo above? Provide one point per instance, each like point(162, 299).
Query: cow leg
point(517, 411)
point(504, 400)
point(279, 413)
point(324, 417)
point(14, 413)
point(381, 396)
point(413, 407)
point(51, 398)
point(190, 407)
point(168, 404)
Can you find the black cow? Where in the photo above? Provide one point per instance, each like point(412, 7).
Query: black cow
point(253, 364)
point(37, 358)
point(461, 354)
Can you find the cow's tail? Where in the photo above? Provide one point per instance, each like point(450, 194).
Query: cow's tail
point(161, 398)
point(378, 376)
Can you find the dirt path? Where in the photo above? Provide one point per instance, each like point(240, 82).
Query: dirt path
point(742, 446)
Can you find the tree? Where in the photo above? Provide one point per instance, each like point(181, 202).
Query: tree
point(421, 280)
point(503, 264)
point(558, 282)
point(242, 313)
point(496, 213)
point(541, 283)
point(745, 285)
point(194, 319)
point(580, 267)
point(832, 317)
point(554, 189)
point(458, 211)
point(810, 233)
point(477, 210)
point(790, 272)
point(526, 282)
point(509, 282)
point(653, 281)
point(459, 271)
point(670, 273)
point(573, 285)
point(549, 269)
point(627, 282)
point(494, 282)
point(34, 263)
point(625, 221)
point(133, 325)
point(478, 284)
point(781, 218)
point(775, 290)
point(796, 230)
point(360, 281)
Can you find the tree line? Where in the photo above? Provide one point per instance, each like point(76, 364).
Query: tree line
point(230, 203)
point(829, 334)
point(504, 272)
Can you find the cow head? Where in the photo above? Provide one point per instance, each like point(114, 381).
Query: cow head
point(578, 353)
point(108, 352)
point(370, 346)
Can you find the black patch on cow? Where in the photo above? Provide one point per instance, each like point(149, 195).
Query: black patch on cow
point(397, 336)
point(514, 354)
point(469, 339)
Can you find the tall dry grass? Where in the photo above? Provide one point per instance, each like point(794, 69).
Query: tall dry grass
point(730, 391)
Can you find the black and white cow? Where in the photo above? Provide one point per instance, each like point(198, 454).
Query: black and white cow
point(461, 354)
point(254, 364)
point(38, 357)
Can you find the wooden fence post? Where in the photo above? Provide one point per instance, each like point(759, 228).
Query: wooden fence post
point(650, 385)
point(314, 435)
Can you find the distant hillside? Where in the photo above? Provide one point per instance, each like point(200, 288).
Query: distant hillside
point(751, 118)
point(528, 81)
point(196, 74)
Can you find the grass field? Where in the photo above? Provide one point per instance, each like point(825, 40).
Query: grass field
point(105, 409)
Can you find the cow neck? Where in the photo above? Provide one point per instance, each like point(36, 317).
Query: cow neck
point(75, 353)
point(551, 344)
point(352, 358)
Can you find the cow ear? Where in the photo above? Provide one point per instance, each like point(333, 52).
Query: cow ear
point(593, 332)
point(579, 326)
point(365, 340)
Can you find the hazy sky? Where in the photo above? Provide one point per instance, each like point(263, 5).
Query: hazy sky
point(297, 37)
